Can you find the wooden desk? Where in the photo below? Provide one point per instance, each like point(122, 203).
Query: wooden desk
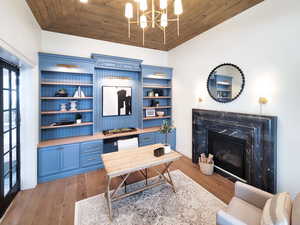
point(125, 162)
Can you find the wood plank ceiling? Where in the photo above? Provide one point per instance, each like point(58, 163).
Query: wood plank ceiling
point(105, 20)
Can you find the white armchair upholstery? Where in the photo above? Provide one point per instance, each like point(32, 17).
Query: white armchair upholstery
point(245, 207)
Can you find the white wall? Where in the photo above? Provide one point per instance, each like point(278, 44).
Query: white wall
point(20, 35)
point(78, 46)
point(264, 42)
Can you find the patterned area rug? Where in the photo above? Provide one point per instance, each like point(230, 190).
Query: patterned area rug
point(191, 205)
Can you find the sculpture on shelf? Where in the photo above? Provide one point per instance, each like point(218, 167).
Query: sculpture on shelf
point(61, 93)
point(63, 107)
point(79, 93)
point(73, 105)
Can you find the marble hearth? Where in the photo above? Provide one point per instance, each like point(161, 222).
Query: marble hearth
point(259, 133)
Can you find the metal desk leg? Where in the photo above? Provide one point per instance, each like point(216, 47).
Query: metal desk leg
point(108, 197)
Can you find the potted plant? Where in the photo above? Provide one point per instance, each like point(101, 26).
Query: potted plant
point(165, 129)
point(78, 118)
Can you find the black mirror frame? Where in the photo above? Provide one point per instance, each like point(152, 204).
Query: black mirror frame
point(242, 88)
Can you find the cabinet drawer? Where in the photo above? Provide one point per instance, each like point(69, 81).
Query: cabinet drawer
point(91, 147)
point(90, 159)
point(147, 139)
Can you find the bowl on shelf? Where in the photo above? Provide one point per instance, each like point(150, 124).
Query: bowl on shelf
point(160, 113)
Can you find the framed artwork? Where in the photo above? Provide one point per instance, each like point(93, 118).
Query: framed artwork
point(117, 101)
point(150, 112)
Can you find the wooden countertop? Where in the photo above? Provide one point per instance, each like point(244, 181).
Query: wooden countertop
point(97, 136)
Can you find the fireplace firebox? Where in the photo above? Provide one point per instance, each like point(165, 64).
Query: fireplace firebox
point(229, 154)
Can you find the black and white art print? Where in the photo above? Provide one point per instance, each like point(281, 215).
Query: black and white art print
point(117, 101)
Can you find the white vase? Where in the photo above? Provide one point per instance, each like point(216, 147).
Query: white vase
point(73, 106)
point(167, 149)
point(63, 107)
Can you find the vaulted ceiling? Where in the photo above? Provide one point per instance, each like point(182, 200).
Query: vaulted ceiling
point(105, 20)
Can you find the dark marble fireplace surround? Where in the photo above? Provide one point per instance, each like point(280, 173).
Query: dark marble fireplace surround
point(259, 132)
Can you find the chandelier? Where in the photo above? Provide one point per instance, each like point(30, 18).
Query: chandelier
point(153, 17)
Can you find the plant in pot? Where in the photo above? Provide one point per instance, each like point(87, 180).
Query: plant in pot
point(78, 118)
point(166, 129)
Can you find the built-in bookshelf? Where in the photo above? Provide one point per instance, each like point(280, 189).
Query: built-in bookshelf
point(223, 86)
point(157, 95)
point(70, 75)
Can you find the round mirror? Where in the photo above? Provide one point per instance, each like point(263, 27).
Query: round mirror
point(225, 83)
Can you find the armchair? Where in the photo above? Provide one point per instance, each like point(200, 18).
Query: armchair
point(246, 206)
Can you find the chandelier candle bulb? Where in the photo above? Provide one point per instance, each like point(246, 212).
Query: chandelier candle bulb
point(143, 5)
point(164, 20)
point(128, 11)
point(178, 7)
point(143, 21)
point(163, 4)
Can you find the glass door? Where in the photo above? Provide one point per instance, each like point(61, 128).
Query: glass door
point(10, 134)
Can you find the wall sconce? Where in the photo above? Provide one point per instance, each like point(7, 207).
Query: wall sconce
point(263, 100)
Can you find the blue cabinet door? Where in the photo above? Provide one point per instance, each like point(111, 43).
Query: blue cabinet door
point(70, 157)
point(147, 139)
point(49, 160)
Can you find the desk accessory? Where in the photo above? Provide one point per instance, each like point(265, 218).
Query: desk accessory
point(159, 152)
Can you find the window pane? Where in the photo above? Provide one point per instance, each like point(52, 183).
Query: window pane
point(13, 118)
point(5, 99)
point(14, 138)
point(6, 184)
point(6, 121)
point(13, 99)
point(6, 142)
point(6, 163)
point(13, 80)
point(14, 176)
point(5, 78)
point(14, 157)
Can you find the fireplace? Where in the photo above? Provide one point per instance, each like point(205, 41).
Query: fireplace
point(229, 154)
point(244, 145)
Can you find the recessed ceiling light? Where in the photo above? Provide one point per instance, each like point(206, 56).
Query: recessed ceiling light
point(84, 1)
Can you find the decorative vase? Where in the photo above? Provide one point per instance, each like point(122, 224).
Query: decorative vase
point(73, 106)
point(63, 107)
point(167, 149)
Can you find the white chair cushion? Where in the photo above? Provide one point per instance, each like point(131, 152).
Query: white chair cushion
point(245, 212)
point(277, 210)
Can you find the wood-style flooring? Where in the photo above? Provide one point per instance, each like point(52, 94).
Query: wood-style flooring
point(53, 203)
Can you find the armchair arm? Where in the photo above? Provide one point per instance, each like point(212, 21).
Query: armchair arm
point(224, 218)
point(251, 194)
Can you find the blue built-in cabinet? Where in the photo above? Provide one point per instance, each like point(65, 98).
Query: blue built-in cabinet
point(61, 151)
point(68, 73)
point(65, 160)
point(156, 78)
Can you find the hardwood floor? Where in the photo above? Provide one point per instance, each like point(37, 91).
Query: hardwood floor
point(53, 203)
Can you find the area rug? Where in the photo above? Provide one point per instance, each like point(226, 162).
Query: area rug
point(190, 205)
